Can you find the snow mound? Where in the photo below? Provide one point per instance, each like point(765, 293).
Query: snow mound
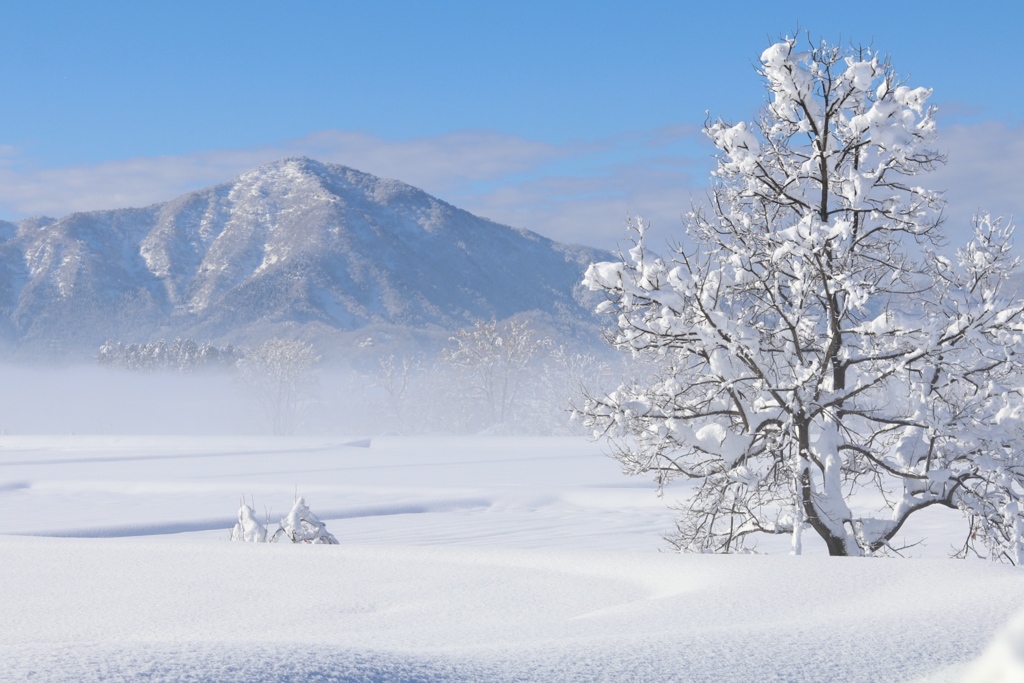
point(1003, 661)
point(202, 611)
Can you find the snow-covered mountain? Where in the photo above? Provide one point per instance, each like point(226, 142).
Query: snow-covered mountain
point(297, 246)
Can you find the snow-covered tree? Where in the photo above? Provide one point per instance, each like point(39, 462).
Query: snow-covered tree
point(279, 373)
point(493, 358)
point(563, 373)
point(820, 365)
point(302, 526)
point(395, 375)
point(248, 528)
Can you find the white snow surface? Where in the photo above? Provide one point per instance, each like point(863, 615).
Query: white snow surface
point(461, 559)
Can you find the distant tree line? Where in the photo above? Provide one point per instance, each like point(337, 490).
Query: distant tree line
point(181, 355)
point(492, 377)
point(278, 374)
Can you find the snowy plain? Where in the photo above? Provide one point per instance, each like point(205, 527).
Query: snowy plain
point(461, 559)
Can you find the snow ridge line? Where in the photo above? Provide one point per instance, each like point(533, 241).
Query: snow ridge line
point(226, 523)
point(362, 443)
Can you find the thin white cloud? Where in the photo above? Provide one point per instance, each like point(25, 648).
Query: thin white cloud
point(441, 162)
point(984, 173)
point(579, 192)
point(435, 163)
point(592, 210)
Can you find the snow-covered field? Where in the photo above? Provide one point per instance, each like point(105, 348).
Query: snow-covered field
point(461, 559)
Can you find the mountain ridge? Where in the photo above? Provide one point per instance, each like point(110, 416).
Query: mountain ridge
point(295, 247)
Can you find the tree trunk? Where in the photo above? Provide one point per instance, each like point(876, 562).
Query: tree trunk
point(836, 544)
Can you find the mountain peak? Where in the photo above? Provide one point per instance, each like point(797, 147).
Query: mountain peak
point(296, 243)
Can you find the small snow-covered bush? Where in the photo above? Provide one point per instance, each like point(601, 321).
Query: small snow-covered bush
point(298, 526)
point(302, 526)
point(248, 528)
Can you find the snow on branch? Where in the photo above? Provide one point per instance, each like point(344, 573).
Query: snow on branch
point(811, 349)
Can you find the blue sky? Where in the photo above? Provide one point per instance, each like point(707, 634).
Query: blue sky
point(559, 117)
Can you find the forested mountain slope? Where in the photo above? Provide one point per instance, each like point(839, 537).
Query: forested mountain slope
point(295, 245)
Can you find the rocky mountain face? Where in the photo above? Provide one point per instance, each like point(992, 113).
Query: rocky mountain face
point(293, 248)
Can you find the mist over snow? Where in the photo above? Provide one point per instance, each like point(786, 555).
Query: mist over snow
point(506, 377)
point(378, 278)
point(88, 399)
